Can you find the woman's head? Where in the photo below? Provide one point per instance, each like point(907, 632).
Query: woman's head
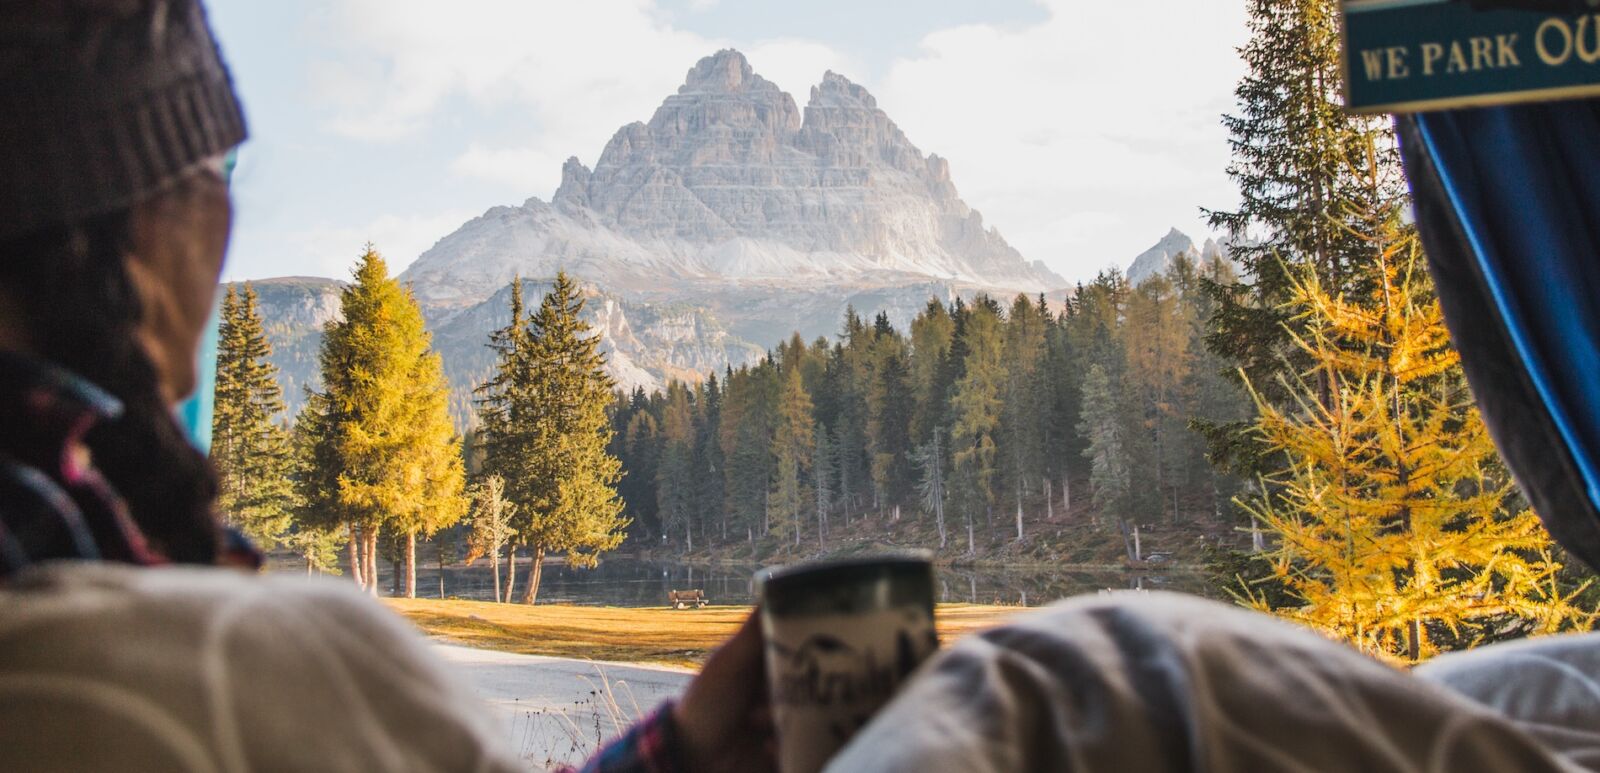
point(114, 115)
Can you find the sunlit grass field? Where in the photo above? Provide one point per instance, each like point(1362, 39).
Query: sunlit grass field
point(658, 636)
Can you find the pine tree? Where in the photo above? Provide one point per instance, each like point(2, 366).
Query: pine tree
point(318, 548)
point(709, 496)
point(675, 484)
point(431, 461)
point(380, 445)
point(929, 459)
point(1156, 353)
point(1296, 156)
point(1023, 416)
point(640, 489)
point(1394, 526)
point(250, 450)
point(975, 408)
point(566, 498)
point(890, 408)
point(749, 418)
point(1063, 443)
point(792, 449)
point(1109, 477)
point(932, 333)
point(822, 466)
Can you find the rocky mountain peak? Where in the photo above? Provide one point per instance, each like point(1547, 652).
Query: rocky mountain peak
point(574, 187)
point(1158, 258)
point(724, 72)
point(835, 90)
point(730, 181)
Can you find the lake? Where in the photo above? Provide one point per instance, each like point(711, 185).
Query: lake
point(626, 582)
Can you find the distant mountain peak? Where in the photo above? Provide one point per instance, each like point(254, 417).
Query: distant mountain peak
point(731, 182)
point(1158, 258)
point(726, 71)
point(835, 90)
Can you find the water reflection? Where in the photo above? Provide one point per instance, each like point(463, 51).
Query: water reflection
point(623, 582)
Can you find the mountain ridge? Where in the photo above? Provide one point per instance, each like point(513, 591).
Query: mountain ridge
point(731, 183)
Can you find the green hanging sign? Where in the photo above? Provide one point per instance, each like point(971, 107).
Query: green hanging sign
point(1414, 55)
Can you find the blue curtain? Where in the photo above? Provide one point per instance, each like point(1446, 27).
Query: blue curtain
point(1508, 205)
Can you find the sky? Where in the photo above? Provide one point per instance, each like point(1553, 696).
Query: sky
point(1081, 130)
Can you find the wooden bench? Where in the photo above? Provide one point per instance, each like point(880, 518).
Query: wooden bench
point(681, 599)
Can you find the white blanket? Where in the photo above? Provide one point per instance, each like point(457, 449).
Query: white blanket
point(1162, 682)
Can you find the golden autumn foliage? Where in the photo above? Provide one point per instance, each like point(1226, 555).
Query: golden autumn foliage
point(1393, 524)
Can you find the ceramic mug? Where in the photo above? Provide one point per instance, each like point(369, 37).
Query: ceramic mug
point(841, 637)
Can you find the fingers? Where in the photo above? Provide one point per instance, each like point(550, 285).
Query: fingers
point(723, 716)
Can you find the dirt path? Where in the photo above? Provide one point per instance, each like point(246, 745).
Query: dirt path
point(558, 711)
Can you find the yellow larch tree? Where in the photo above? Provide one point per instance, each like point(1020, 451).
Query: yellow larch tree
point(1393, 524)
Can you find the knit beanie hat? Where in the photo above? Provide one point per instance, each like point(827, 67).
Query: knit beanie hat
point(104, 102)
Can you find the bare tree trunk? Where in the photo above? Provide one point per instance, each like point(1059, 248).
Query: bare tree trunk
point(440, 556)
point(1019, 511)
point(972, 543)
point(1066, 496)
point(411, 565)
point(511, 570)
point(353, 547)
point(822, 528)
point(1127, 539)
point(1216, 499)
point(494, 564)
point(1049, 501)
point(1171, 517)
point(534, 571)
point(372, 560)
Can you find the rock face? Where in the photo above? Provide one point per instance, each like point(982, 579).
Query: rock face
point(730, 183)
point(1158, 259)
point(644, 345)
point(293, 312)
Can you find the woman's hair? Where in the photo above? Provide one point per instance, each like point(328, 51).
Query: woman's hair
point(81, 312)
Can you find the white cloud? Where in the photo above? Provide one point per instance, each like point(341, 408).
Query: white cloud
point(333, 249)
point(797, 65)
point(1103, 108)
point(571, 73)
point(511, 167)
point(1082, 137)
point(570, 64)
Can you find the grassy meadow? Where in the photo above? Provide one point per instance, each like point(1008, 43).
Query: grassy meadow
point(657, 636)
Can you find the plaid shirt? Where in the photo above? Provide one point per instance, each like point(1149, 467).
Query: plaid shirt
point(53, 503)
point(651, 746)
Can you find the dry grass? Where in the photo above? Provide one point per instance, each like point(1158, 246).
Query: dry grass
point(653, 635)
